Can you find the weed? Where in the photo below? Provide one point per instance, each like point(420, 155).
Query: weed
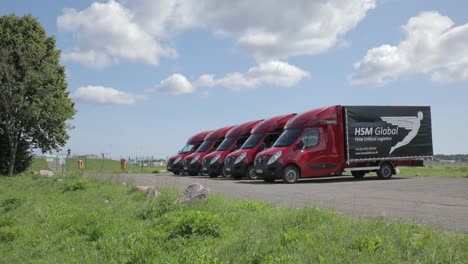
point(11, 203)
point(6, 220)
point(75, 185)
point(191, 223)
point(8, 234)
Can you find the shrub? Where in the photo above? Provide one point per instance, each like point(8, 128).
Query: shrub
point(75, 185)
point(156, 171)
point(191, 223)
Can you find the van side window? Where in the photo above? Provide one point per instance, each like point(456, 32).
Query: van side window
point(270, 139)
point(240, 142)
point(310, 138)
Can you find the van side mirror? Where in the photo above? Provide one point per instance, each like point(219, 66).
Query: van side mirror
point(300, 145)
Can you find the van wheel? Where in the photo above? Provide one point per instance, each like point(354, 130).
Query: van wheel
point(290, 174)
point(213, 175)
point(251, 173)
point(386, 171)
point(176, 172)
point(193, 173)
point(358, 174)
point(224, 173)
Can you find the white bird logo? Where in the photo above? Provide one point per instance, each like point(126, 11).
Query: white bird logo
point(412, 123)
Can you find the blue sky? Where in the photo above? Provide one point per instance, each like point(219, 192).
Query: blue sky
point(146, 75)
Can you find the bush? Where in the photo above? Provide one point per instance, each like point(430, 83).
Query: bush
point(191, 223)
point(75, 185)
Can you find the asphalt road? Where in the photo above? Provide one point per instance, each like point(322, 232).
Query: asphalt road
point(440, 202)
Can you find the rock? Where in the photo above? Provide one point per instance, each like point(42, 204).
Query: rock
point(194, 193)
point(152, 193)
point(46, 173)
point(143, 187)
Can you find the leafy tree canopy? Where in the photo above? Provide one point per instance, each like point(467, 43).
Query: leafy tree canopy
point(34, 102)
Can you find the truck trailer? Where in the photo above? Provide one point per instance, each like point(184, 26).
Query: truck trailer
point(360, 139)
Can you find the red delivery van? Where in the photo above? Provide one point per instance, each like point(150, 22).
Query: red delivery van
point(213, 163)
point(359, 139)
point(174, 164)
point(192, 163)
point(239, 163)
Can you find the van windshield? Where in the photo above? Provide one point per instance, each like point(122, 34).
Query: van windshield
point(227, 142)
point(204, 147)
point(252, 141)
point(186, 149)
point(288, 137)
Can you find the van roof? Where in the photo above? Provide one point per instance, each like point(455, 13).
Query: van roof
point(198, 138)
point(273, 124)
point(218, 133)
point(243, 129)
point(314, 117)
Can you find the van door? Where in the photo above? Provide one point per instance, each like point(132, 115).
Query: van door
point(313, 155)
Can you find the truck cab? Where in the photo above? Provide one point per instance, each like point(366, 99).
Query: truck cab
point(174, 164)
point(192, 163)
point(213, 163)
point(240, 163)
point(311, 145)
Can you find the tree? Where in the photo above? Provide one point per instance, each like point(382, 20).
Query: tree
point(34, 102)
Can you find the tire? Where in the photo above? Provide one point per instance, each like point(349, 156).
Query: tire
point(224, 173)
point(251, 173)
point(386, 171)
point(358, 174)
point(290, 174)
point(176, 173)
point(236, 176)
point(269, 180)
point(213, 174)
point(192, 173)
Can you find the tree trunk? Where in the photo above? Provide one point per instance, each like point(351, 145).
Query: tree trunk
point(13, 147)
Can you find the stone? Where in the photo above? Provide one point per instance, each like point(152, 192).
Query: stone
point(46, 173)
point(143, 188)
point(152, 193)
point(194, 193)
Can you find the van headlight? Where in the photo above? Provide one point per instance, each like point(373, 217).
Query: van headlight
point(240, 158)
point(215, 159)
point(275, 157)
point(195, 159)
point(177, 160)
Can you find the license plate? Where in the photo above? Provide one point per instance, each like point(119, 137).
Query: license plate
point(228, 169)
point(259, 171)
point(185, 168)
point(204, 169)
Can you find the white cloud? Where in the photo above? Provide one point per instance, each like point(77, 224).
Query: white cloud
point(275, 73)
point(272, 73)
point(107, 33)
point(176, 84)
point(265, 29)
point(433, 46)
point(105, 95)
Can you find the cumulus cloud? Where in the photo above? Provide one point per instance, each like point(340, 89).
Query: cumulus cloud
point(176, 84)
point(274, 73)
point(105, 95)
point(266, 29)
point(107, 33)
point(433, 46)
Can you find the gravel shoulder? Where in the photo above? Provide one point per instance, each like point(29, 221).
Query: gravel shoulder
point(439, 202)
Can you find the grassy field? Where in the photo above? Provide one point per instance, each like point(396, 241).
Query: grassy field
point(105, 165)
point(437, 169)
point(74, 220)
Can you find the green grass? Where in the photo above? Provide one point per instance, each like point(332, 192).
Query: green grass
point(437, 169)
point(38, 164)
point(76, 220)
point(105, 165)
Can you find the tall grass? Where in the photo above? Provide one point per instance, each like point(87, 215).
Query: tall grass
point(74, 220)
